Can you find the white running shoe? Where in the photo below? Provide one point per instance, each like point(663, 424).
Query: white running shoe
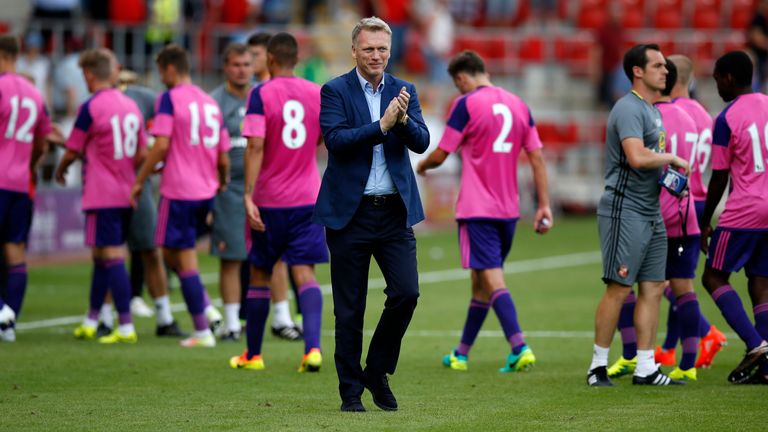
point(7, 315)
point(140, 309)
point(215, 320)
point(8, 335)
point(207, 341)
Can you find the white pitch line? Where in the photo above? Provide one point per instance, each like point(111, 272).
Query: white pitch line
point(425, 278)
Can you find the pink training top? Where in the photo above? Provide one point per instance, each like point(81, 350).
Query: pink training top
point(681, 141)
point(23, 118)
point(110, 130)
point(491, 125)
point(703, 148)
point(285, 111)
point(740, 145)
point(193, 121)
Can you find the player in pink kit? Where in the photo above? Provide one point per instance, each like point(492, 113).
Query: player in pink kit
point(191, 141)
point(712, 339)
point(490, 126)
point(109, 136)
point(24, 123)
point(282, 125)
point(740, 151)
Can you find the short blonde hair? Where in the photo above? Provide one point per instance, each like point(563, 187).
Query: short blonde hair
point(371, 24)
point(99, 61)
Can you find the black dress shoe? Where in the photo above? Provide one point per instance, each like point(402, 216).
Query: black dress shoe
point(378, 385)
point(352, 405)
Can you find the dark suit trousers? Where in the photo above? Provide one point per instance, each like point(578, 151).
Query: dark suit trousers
point(379, 231)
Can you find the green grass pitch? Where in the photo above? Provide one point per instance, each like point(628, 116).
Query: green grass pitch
point(49, 381)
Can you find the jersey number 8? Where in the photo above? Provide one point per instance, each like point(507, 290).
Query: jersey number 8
point(294, 132)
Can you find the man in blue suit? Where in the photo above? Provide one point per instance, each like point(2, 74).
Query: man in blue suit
point(368, 203)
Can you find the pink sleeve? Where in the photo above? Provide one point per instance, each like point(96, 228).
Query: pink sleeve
point(224, 141)
point(721, 159)
point(162, 125)
point(532, 142)
point(76, 140)
point(43, 123)
point(254, 125)
point(451, 140)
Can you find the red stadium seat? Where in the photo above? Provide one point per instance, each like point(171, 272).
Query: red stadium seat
point(668, 19)
point(592, 18)
point(741, 13)
point(632, 18)
point(574, 51)
point(532, 49)
point(706, 18)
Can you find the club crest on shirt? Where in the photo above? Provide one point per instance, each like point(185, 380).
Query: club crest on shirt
point(623, 271)
point(662, 141)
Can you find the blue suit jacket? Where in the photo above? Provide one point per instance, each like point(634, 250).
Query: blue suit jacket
point(350, 136)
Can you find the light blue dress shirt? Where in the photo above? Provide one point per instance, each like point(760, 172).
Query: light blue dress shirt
point(379, 180)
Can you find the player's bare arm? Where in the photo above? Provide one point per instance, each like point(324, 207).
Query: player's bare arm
point(434, 160)
point(66, 160)
point(254, 156)
point(155, 156)
point(543, 221)
point(222, 166)
point(717, 184)
point(641, 157)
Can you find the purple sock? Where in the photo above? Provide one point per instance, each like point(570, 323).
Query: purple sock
point(704, 325)
point(689, 314)
point(673, 325)
point(257, 304)
point(761, 324)
point(311, 304)
point(505, 309)
point(478, 310)
point(16, 287)
point(120, 285)
point(733, 311)
point(99, 285)
point(627, 327)
point(194, 295)
point(206, 298)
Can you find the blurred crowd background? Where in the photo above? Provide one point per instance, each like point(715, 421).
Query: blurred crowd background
point(562, 56)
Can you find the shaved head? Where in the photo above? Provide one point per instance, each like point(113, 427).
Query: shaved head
point(684, 69)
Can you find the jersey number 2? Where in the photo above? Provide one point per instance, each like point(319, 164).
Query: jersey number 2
point(501, 145)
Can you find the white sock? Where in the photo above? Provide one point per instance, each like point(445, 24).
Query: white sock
point(125, 329)
point(87, 322)
point(282, 315)
point(163, 307)
point(599, 356)
point(232, 316)
point(107, 315)
point(646, 364)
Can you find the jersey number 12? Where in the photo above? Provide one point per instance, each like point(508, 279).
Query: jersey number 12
point(22, 133)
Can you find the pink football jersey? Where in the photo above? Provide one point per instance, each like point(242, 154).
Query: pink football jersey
point(285, 111)
point(681, 141)
point(703, 149)
point(109, 131)
point(491, 126)
point(23, 118)
point(193, 122)
point(740, 145)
